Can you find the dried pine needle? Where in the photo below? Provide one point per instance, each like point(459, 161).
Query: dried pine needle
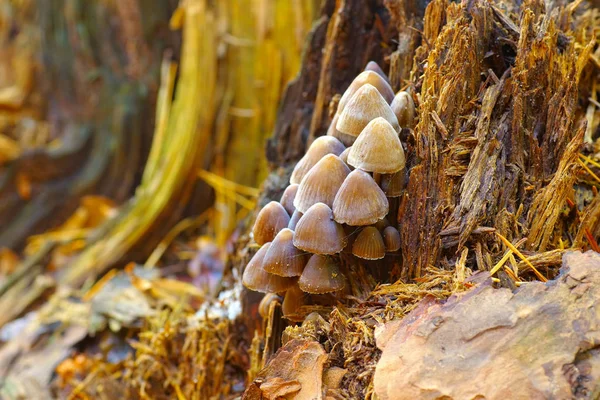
point(522, 257)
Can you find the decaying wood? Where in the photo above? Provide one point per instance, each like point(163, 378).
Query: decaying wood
point(538, 342)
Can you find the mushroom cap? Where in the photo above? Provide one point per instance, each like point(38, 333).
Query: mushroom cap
point(257, 279)
point(321, 183)
point(363, 107)
point(369, 244)
point(294, 220)
point(373, 66)
point(318, 233)
point(265, 304)
point(371, 78)
point(391, 238)
point(344, 156)
point(360, 201)
point(321, 275)
point(393, 184)
point(320, 147)
point(377, 149)
point(382, 224)
point(270, 220)
point(342, 137)
point(404, 109)
point(293, 300)
point(287, 198)
point(283, 258)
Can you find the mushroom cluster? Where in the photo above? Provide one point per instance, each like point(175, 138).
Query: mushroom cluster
point(338, 198)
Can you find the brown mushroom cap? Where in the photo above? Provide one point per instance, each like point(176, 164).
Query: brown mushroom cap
point(393, 184)
point(293, 300)
point(363, 107)
point(321, 275)
point(321, 183)
point(287, 198)
point(347, 140)
point(377, 149)
point(283, 258)
point(360, 201)
point(391, 238)
point(265, 304)
point(382, 224)
point(270, 220)
point(294, 220)
point(369, 244)
point(320, 147)
point(318, 233)
point(404, 108)
point(257, 279)
point(367, 77)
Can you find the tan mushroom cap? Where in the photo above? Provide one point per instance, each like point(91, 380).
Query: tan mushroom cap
point(265, 304)
point(377, 149)
point(391, 238)
point(347, 140)
point(318, 233)
point(404, 108)
point(294, 299)
point(321, 275)
point(367, 77)
point(270, 220)
point(320, 147)
point(344, 156)
point(287, 198)
point(294, 220)
point(321, 183)
point(369, 244)
point(283, 258)
point(360, 201)
point(257, 279)
point(363, 107)
point(373, 66)
point(393, 184)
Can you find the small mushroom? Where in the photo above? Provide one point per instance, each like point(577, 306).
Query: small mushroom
point(344, 156)
point(257, 279)
point(382, 224)
point(287, 198)
point(367, 77)
point(321, 275)
point(318, 233)
point(270, 220)
point(283, 258)
point(373, 66)
point(363, 107)
point(342, 137)
point(359, 201)
point(369, 244)
point(294, 220)
point(377, 149)
point(320, 147)
point(393, 184)
point(404, 108)
point(391, 238)
point(265, 304)
point(294, 299)
point(321, 183)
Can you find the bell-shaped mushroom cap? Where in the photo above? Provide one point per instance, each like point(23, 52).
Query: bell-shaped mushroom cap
point(287, 198)
point(270, 220)
point(391, 238)
point(373, 66)
point(372, 78)
point(318, 233)
point(392, 184)
point(257, 279)
point(344, 155)
point(321, 275)
point(404, 108)
point(363, 107)
point(294, 220)
point(320, 147)
point(382, 224)
point(265, 304)
point(283, 258)
point(321, 183)
point(377, 149)
point(359, 201)
point(369, 244)
point(293, 300)
point(342, 137)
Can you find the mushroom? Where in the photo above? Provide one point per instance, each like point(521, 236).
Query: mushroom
point(287, 198)
point(359, 201)
point(257, 279)
point(344, 156)
point(342, 137)
point(363, 107)
point(393, 184)
point(321, 275)
point(382, 224)
point(404, 108)
point(320, 147)
point(294, 299)
point(373, 66)
point(318, 233)
point(391, 238)
point(369, 244)
point(270, 220)
point(294, 220)
point(321, 183)
point(377, 149)
point(265, 304)
point(283, 258)
point(367, 77)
